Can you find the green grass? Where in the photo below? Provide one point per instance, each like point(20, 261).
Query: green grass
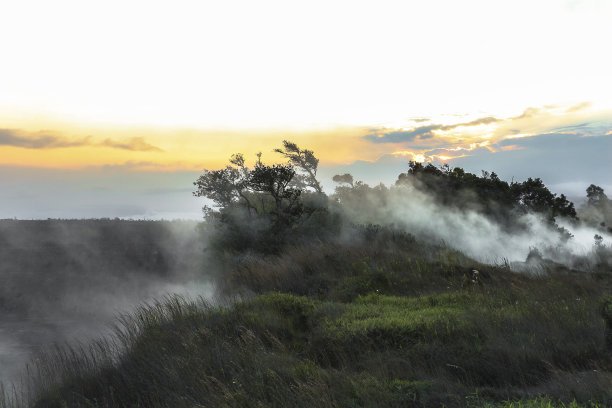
point(350, 326)
point(285, 350)
point(541, 402)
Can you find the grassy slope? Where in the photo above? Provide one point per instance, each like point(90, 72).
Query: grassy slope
point(386, 323)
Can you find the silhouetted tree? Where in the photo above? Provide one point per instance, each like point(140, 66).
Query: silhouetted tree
point(257, 207)
point(275, 180)
point(305, 161)
point(532, 195)
point(343, 178)
point(487, 193)
point(228, 187)
point(596, 196)
point(597, 211)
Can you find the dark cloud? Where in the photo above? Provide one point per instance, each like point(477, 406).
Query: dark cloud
point(41, 140)
point(480, 121)
point(421, 132)
point(134, 143)
point(11, 137)
point(400, 136)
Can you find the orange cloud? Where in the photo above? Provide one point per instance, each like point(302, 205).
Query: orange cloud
point(63, 146)
point(511, 147)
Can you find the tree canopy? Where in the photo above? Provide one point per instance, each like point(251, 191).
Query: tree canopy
point(305, 161)
point(494, 197)
point(265, 199)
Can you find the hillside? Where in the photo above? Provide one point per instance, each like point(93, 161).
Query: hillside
point(387, 322)
point(477, 293)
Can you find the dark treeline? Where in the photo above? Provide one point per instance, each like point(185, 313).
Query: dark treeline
point(271, 206)
point(487, 193)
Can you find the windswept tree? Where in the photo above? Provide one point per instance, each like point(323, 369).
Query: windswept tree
point(305, 161)
point(343, 179)
point(227, 187)
point(265, 202)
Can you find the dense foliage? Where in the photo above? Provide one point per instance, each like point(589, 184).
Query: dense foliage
point(267, 206)
point(494, 197)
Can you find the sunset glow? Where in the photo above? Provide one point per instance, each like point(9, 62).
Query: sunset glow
point(158, 87)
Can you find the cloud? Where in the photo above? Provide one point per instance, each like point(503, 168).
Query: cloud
point(43, 140)
point(572, 128)
point(146, 166)
point(421, 132)
point(134, 143)
point(400, 136)
point(527, 113)
point(16, 138)
point(567, 162)
point(555, 157)
point(480, 121)
point(531, 112)
point(512, 147)
point(578, 107)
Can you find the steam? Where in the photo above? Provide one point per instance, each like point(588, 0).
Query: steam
point(66, 280)
point(468, 230)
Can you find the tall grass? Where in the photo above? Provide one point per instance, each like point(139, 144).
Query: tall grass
point(359, 324)
point(285, 350)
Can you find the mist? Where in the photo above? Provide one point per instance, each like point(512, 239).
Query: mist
point(468, 230)
point(67, 280)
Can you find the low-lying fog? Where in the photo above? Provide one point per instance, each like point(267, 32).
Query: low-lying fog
point(66, 279)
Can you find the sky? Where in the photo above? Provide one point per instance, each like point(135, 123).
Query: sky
point(112, 109)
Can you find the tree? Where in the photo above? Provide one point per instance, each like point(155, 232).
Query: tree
point(304, 160)
point(597, 211)
point(487, 193)
point(263, 207)
point(226, 187)
point(533, 195)
point(596, 196)
point(274, 181)
point(268, 192)
point(343, 178)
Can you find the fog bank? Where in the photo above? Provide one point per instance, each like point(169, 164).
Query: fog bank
point(65, 280)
